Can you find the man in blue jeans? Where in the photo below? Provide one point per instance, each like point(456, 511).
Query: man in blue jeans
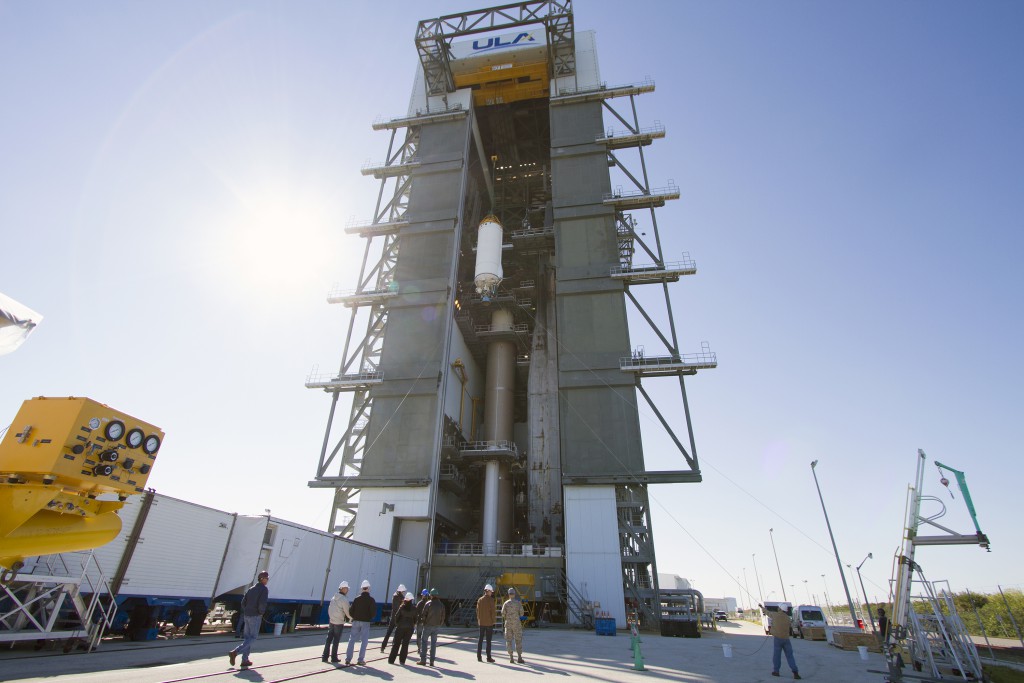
point(254, 604)
point(363, 610)
point(780, 628)
point(432, 618)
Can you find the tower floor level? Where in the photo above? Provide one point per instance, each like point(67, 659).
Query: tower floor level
point(482, 418)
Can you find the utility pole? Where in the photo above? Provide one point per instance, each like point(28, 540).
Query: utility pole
point(757, 576)
point(839, 563)
point(784, 598)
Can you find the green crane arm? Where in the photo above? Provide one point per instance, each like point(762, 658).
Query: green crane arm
point(961, 481)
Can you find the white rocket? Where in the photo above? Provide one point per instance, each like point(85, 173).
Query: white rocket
point(488, 273)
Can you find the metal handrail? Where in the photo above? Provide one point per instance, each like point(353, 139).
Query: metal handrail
point(658, 127)
point(686, 264)
point(514, 549)
point(671, 188)
point(703, 358)
point(603, 86)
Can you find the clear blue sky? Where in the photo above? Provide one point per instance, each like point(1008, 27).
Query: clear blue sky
point(175, 178)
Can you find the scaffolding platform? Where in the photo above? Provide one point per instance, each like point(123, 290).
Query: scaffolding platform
point(668, 272)
point(601, 92)
point(482, 451)
point(367, 228)
point(641, 199)
point(352, 298)
point(660, 366)
point(382, 170)
point(623, 139)
point(350, 382)
point(421, 118)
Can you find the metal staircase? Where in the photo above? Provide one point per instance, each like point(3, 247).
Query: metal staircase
point(576, 605)
point(463, 605)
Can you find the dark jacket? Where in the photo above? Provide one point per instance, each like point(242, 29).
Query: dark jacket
point(433, 613)
point(363, 608)
point(396, 602)
point(420, 604)
point(254, 603)
point(405, 617)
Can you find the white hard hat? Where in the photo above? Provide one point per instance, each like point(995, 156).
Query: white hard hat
point(511, 591)
point(489, 587)
point(344, 584)
point(364, 584)
point(401, 588)
point(408, 596)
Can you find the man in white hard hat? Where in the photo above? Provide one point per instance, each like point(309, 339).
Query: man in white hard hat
point(396, 602)
point(338, 614)
point(486, 616)
point(363, 610)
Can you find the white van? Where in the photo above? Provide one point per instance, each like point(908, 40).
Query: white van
point(806, 616)
point(768, 608)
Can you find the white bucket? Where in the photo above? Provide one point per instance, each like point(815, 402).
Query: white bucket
point(863, 650)
point(727, 650)
point(279, 628)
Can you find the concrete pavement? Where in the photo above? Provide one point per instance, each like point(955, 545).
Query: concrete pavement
point(548, 652)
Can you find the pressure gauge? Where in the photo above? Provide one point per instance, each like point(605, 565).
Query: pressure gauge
point(135, 437)
point(94, 423)
point(115, 430)
point(152, 444)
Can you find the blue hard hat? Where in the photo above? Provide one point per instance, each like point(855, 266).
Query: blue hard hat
point(424, 592)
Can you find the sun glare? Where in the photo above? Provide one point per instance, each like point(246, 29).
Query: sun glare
point(274, 245)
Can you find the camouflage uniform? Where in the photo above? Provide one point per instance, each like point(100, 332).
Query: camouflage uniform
point(511, 611)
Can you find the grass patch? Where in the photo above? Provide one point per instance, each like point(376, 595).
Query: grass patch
point(1002, 674)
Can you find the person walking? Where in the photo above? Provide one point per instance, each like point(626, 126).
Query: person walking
point(254, 605)
point(362, 610)
point(396, 602)
point(420, 604)
point(511, 616)
point(432, 618)
point(405, 624)
point(486, 615)
point(338, 614)
point(781, 623)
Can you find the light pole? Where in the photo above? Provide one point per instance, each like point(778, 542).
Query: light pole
point(867, 605)
point(809, 602)
point(747, 586)
point(770, 533)
point(828, 602)
point(849, 600)
point(757, 576)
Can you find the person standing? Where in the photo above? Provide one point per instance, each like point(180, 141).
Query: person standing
point(338, 614)
point(432, 618)
point(405, 624)
point(781, 623)
point(396, 603)
point(420, 604)
point(486, 615)
point(511, 616)
point(363, 609)
point(883, 625)
point(254, 604)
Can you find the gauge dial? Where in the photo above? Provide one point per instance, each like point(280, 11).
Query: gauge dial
point(135, 437)
point(152, 444)
point(115, 430)
point(94, 423)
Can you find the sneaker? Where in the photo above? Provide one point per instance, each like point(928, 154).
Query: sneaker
point(231, 657)
point(361, 663)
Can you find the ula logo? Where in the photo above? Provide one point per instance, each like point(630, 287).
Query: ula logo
point(498, 43)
